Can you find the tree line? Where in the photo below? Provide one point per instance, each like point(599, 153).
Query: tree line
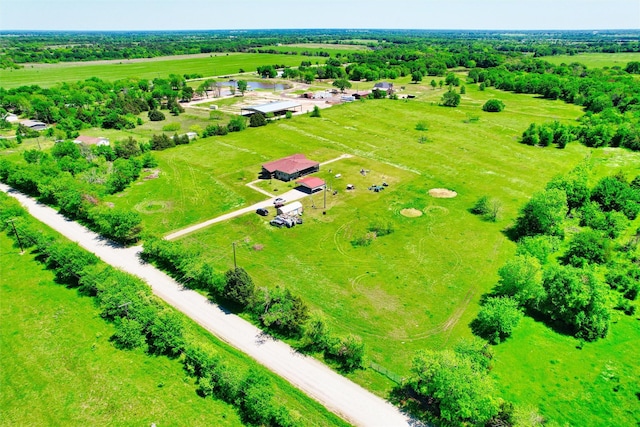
point(275, 309)
point(50, 47)
point(143, 321)
point(571, 280)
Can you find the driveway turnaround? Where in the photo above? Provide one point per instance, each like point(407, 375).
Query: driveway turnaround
point(341, 396)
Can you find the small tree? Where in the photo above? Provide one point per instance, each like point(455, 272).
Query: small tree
point(348, 352)
point(497, 319)
point(493, 106)
point(416, 77)
point(342, 84)
point(237, 124)
point(315, 112)
point(463, 90)
point(242, 86)
point(450, 98)
point(433, 84)
point(156, 115)
point(257, 120)
point(239, 287)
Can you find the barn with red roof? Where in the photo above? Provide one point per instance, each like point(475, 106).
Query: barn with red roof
point(290, 167)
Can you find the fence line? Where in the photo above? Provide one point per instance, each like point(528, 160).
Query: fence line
point(387, 373)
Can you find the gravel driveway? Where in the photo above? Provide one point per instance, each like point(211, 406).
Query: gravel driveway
point(337, 393)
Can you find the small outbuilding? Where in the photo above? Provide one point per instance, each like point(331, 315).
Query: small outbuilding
point(384, 86)
point(293, 208)
point(311, 183)
point(34, 124)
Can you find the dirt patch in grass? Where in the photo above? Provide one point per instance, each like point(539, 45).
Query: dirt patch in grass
point(152, 207)
point(411, 213)
point(442, 193)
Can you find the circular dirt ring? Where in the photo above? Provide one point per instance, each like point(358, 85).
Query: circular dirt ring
point(411, 213)
point(436, 210)
point(442, 193)
point(152, 207)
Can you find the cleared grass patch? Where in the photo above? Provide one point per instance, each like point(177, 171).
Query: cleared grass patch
point(595, 385)
point(217, 64)
point(596, 60)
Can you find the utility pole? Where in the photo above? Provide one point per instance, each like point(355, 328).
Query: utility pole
point(235, 265)
point(325, 195)
point(17, 236)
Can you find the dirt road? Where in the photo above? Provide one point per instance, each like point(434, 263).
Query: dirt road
point(338, 394)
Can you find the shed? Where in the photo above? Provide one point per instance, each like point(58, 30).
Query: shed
point(311, 183)
point(34, 124)
point(293, 208)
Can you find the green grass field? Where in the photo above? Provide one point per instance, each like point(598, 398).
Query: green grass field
point(418, 287)
point(596, 60)
point(59, 367)
point(593, 386)
point(217, 64)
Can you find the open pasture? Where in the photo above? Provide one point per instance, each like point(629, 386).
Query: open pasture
point(217, 64)
point(596, 60)
point(412, 289)
point(207, 178)
point(593, 385)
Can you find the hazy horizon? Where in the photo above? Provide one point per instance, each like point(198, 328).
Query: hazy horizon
point(205, 15)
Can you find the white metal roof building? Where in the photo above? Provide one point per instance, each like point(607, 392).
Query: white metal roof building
point(293, 208)
point(278, 107)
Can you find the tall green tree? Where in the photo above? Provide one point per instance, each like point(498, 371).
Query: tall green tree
point(342, 84)
point(239, 287)
point(544, 213)
point(461, 393)
point(242, 86)
point(451, 98)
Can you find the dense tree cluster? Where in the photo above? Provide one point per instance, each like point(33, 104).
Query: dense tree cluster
point(73, 177)
point(568, 290)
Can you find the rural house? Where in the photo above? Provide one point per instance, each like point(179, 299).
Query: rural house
point(384, 86)
point(90, 140)
point(289, 168)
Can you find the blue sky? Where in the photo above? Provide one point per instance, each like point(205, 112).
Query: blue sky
point(251, 14)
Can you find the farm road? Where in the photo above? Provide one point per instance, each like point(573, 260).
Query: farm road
point(334, 391)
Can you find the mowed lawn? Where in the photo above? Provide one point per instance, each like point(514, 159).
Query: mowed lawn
point(593, 386)
point(217, 64)
point(59, 367)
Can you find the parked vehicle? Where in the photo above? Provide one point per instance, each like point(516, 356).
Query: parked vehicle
point(277, 222)
point(262, 211)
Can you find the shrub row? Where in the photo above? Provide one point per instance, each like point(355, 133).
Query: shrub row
point(278, 310)
point(141, 320)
